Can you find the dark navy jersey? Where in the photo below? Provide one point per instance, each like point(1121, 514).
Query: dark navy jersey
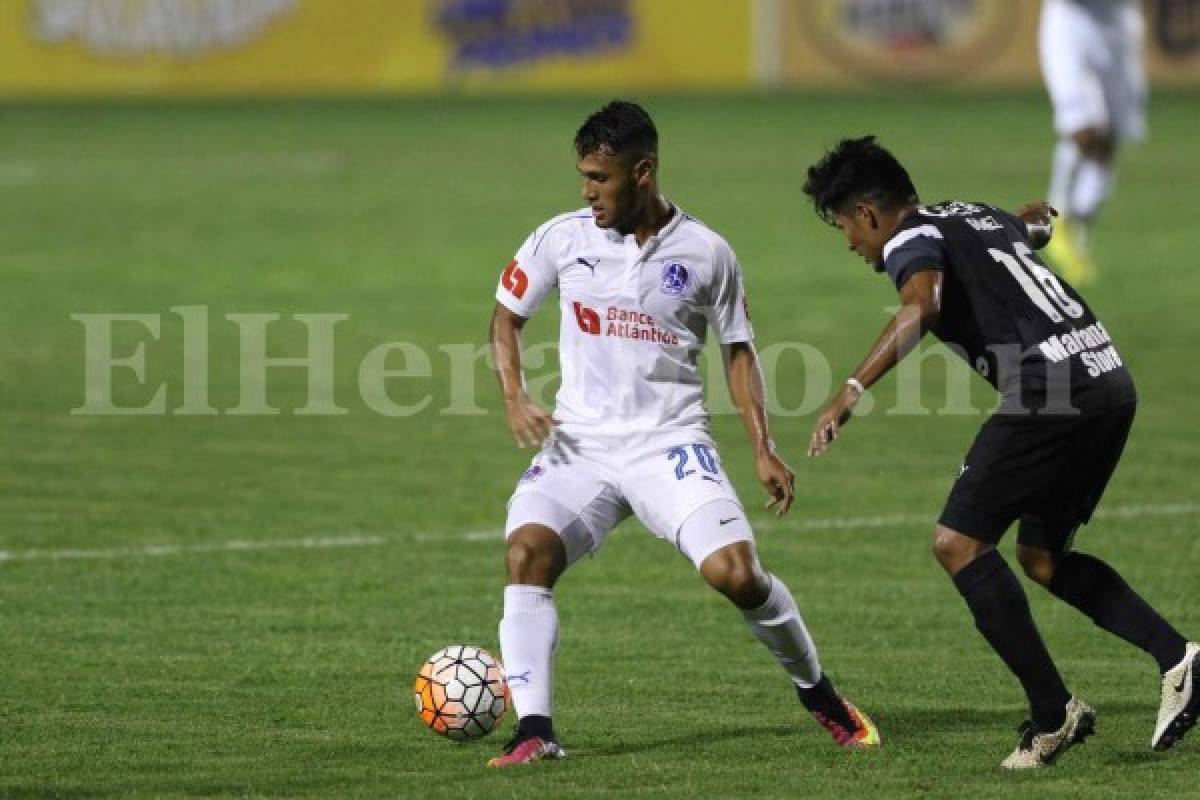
point(1024, 329)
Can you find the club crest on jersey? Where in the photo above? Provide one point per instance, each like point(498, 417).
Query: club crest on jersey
point(532, 474)
point(674, 278)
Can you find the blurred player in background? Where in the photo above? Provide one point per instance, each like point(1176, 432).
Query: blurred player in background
point(639, 283)
point(967, 273)
point(1091, 54)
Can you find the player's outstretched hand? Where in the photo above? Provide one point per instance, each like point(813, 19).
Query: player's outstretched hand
point(1038, 217)
point(778, 479)
point(835, 415)
point(1038, 212)
point(530, 423)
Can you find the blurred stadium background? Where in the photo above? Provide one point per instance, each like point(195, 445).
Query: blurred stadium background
point(271, 47)
point(199, 602)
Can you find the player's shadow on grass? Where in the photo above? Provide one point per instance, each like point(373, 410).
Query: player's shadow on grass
point(34, 792)
point(918, 721)
point(894, 724)
point(689, 738)
point(914, 721)
point(1133, 759)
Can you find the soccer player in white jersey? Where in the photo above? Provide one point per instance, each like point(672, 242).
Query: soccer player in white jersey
point(1091, 54)
point(639, 282)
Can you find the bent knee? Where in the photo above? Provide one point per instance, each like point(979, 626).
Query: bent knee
point(1095, 144)
point(945, 545)
point(954, 550)
point(737, 575)
point(535, 556)
point(1037, 563)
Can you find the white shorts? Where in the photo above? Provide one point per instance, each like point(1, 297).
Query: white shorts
point(1091, 54)
point(582, 488)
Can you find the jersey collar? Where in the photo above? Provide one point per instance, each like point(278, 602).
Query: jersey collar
point(677, 215)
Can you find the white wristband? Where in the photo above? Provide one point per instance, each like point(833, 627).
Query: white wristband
point(857, 384)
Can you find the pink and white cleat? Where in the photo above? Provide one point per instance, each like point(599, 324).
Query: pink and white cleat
point(526, 750)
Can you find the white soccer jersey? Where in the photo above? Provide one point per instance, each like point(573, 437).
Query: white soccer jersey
point(634, 319)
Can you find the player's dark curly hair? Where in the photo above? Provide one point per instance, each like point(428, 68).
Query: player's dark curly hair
point(857, 169)
point(621, 127)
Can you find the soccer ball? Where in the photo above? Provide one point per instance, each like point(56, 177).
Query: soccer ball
point(461, 693)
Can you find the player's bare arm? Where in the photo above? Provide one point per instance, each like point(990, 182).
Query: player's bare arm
point(530, 423)
point(1003, 309)
point(1038, 217)
point(746, 388)
point(921, 304)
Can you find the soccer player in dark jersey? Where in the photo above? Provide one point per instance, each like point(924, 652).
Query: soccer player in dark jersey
point(967, 272)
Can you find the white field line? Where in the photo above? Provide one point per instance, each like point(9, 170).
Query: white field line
point(17, 172)
point(880, 521)
point(494, 534)
point(237, 545)
point(304, 163)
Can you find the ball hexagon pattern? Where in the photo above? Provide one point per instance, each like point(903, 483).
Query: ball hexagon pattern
point(461, 693)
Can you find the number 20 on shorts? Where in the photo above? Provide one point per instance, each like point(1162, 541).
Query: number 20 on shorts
point(704, 457)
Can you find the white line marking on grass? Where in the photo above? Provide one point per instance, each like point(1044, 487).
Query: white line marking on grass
point(483, 536)
point(17, 172)
point(842, 523)
point(300, 162)
point(877, 521)
point(495, 534)
point(240, 164)
point(1149, 510)
point(889, 520)
point(237, 545)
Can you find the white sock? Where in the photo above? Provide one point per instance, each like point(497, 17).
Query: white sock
point(1091, 189)
point(528, 636)
point(777, 624)
point(1064, 174)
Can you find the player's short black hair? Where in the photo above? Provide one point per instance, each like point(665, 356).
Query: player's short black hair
point(621, 127)
point(857, 169)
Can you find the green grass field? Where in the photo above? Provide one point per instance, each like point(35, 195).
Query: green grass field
point(142, 654)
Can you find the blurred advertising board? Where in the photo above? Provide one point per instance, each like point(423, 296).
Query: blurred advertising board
point(105, 47)
point(304, 46)
point(973, 42)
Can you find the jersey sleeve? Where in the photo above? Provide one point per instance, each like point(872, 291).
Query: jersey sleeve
point(728, 312)
point(913, 250)
point(1021, 225)
point(1027, 231)
point(531, 274)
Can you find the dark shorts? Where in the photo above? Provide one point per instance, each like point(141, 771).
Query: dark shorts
point(1048, 472)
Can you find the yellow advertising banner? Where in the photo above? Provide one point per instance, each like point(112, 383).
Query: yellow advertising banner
point(971, 42)
point(105, 47)
point(297, 46)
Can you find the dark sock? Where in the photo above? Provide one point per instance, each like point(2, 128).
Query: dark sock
point(822, 699)
point(535, 725)
point(1097, 590)
point(1001, 613)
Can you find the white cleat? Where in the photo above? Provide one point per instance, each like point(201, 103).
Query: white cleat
point(1040, 749)
point(1180, 704)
